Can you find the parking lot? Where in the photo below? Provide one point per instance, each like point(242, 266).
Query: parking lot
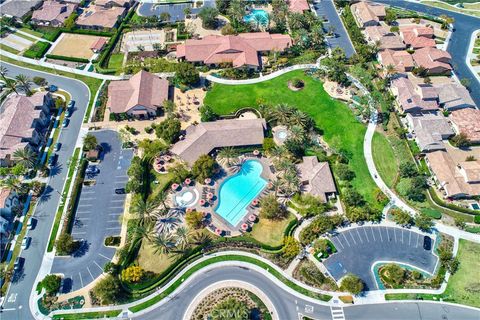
point(360, 248)
point(326, 9)
point(175, 10)
point(97, 216)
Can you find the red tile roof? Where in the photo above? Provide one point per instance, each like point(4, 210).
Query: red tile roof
point(98, 45)
point(417, 36)
point(467, 121)
point(298, 6)
point(52, 10)
point(434, 60)
point(401, 60)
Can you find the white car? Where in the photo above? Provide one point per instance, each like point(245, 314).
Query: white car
point(26, 243)
point(30, 223)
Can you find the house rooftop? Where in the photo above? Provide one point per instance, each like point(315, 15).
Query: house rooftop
point(401, 60)
point(298, 6)
point(415, 98)
point(202, 138)
point(432, 58)
point(386, 38)
point(454, 96)
point(4, 194)
point(53, 10)
point(100, 16)
point(367, 11)
point(18, 8)
point(316, 177)
point(467, 121)
point(417, 36)
point(430, 130)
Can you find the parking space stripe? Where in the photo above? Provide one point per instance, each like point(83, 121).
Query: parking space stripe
point(98, 265)
point(373, 235)
point(78, 233)
point(113, 228)
point(336, 240)
point(409, 237)
point(350, 233)
point(361, 240)
point(365, 231)
point(101, 255)
point(345, 239)
point(395, 234)
point(116, 207)
point(119, 200)
point(115, 221)
point(416, 242)
point(87, 198)
point(81, 280)
point(91, 275)
point(380, 233)
point(388, 236)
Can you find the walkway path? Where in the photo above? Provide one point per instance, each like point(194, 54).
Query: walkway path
point(29, 35)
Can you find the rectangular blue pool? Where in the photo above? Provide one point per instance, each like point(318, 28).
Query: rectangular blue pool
point(238, 191)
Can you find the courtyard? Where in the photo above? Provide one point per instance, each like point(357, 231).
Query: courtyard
point(74, 45)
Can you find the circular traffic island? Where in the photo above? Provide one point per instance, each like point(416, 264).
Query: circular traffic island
point(296, 84)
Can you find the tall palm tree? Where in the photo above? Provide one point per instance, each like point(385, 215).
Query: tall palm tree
point(24, 82)
point(297, 134)
point(145, 210)
point(277, 153)
point(140, 233)
point(167, 222)
point(26, 157)
point(390, 70)
point(3, 73)
point(182, 235)
point(285, 165)
point(161, 198)
point(299, 118)
point(201, 239)
point(277, 185)
point(8, 82)
point(282, 113)
point(90, 142)
point(163, 243)
point(227, 155)
point(13, 184)
point(236, 10)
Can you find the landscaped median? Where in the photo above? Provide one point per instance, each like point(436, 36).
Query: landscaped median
point(225, 257)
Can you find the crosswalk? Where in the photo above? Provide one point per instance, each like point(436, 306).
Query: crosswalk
point(337, 313)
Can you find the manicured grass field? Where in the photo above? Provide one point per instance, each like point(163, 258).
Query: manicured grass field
point(270, 232)
point(341, 129)
point(451, 8)
point(33, 33)
point(115, 61)
point(385, 160)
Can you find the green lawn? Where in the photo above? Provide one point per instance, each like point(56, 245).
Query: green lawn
point(271, 232)
point(8, 49)
point(33, 33)
point(115, 61)
point(341, 129)
point(463, 286)
point(384, 158)
point(451, 8)
point(88, 315)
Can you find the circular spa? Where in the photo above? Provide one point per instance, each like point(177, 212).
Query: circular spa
point(280, 134)
point(186, 198)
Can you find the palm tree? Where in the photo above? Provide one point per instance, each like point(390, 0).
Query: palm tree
point(236, 10)
point(277, 153)
point(24, 82)
point(292, 183)
point(163, 243)
point(26, 157)
point(161, 198)
point(8, 82)
point(13, 184)
point(90, 142)
point(237, 166)
point(167, 222)
point(282, 113)
point(390, 70)
point(285, 165)
point(227, 155)
point(299, 118)
point(182, 235)
point(3, 73)
point(201, 239)
point(145, 211)
point(277, 185)
point(141, 232)
point(297, 134)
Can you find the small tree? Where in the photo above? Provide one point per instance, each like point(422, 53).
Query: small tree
point(65, 244)
point(291, 247)
point(108, 290)
point(401, 217)
point(194, 219)
point(321, 245)
point(204, 167)
point(352, 283)
point(39, 81)
point(460, 140)
point(132, 274)
point(395, 273)
point(408, 170)
point(209, 17)
point(270, 208)
point(169, 129)
point(423, 222)
point(90, 142)
point(207, 114)
point(186, 73)
point(51, 283)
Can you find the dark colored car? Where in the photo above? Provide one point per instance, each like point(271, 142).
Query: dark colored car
point(427, 243)
point(52, 88)
point(17, 265)
point(71, 103)
point(120, 191)
point(57, 147)
point(53, 159)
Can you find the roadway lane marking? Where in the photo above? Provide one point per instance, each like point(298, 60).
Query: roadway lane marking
point(373, 235)
point(88, 198)
point(81, 280)
point(90, 274)
point(365, 231)
point(361, 239)
point(346, 239)
point(101, 255)
point(309, 308)
point(350, 233)
point(337, 313)
point(98, 265)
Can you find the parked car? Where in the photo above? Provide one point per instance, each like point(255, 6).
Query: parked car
point(17, 265)
point(427, 243)
point(52, 160)
point(30, 223)
point(68, 113)
point(120, 191)
point(52, 88)
point(26, 243)
point(70, 104)
point(57, 147)
point(92, 170)
point(65, 122)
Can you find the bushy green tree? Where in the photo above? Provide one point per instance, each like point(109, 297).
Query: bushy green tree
point(401, 217)
point(65, 244)
point(291, 247)
point(209, 17)
point(352, 283)
point(395, 273)
point(423, 221)
point(204, 167)
point(108, 290)
point(169, 129)
point(270, 208)
point(207, 114)
point(186, 73)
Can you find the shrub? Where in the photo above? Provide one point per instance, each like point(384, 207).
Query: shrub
point(51, 283)
point(352, 283)
point(132, 274)
point(65, 244)
point(37, 50)
point(207, 114)
point(39, 81)
point(291, 247)
point(186, 73)
point(112, 241)
point(110, 268)
point(108, 290)
point(297, 83)
point(168, 130)
point(270, 208)
point(401, 217)
point(204, 167)
point(194, 219)
point(423, 221)
point(268, 144)
point(395, 273)
point(66, 58)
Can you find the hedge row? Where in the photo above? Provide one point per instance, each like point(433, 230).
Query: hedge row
point(65, 58)
point(74, 196)
point(37, 50)
point(453, 207)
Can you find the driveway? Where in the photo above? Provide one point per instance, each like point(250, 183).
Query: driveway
point(459, 42)
point(98, 215)
point(360, 248)
point(16, 303)
point(326, 9)
point(176, 10)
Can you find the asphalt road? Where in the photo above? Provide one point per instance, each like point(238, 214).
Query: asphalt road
point(288, 305)
point(459, 42)
point(16, 304)
point(176, 10)
point(97, 215)
point(360, 248)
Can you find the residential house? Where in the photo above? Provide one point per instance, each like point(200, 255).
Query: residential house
point(8, 202)
point(53, 13)
point(430, 130)
point(97, 17)
point(382, 36)
point(455, 180)
point(435, 61)
point(298, 6)
point(114, 3)
point(19, 9)
point(205, 137)
point(241, 50)
point(22, 123)
point(316, 178)
point(414, 98)
point(98, 45)
point(453, 96)
point(368, 13)
point(417, 36)
point(467, 121)
point(401, 60)
point(140, 96)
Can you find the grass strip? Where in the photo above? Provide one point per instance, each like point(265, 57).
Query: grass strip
point(213, 260)
point(87, 315)
point(58, 215)
point(8, 49)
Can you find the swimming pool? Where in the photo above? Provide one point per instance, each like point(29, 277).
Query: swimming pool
point(238, 191)
point(257, 16)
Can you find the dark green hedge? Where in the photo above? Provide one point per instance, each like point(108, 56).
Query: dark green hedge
point(453, 207)
point(37, 50)
point(477, 219)
point(73, 59)
point(75, 196)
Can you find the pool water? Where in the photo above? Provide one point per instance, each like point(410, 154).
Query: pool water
point(257, 15)
point(475, 206)
point(238, 191)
